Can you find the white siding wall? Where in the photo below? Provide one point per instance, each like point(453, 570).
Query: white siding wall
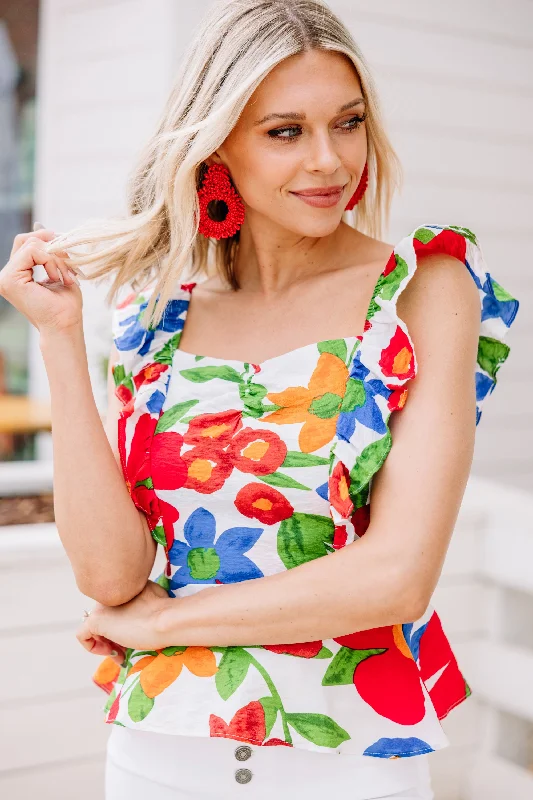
point(455, 80)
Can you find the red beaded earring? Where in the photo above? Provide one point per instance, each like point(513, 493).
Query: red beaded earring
point(216, 190)
point(361, 188)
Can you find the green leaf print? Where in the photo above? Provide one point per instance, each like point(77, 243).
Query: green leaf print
point(340, 671)
point(164, 581)
point(111, 699)
point(121, 379)
point(173, 414)
point(252, 395)
point(360, 499)
point(278, 479)
point(319, 729)
point(303, 537)
point(271, 712)
point(139, 704)
point(369, 462)
point(166, 354)
point(424, 235)
point(147, 483)
point(295, 458)
point(337, 347)
point(171, 651)
point(326, 406)
point(491, 354)
point(119, 373)
point(324, 652)
point(501, 293)
point(355, 395)
point(204, 374)
point(158, 534)
point(232, 670)
point(464, 232)
point(387, 285)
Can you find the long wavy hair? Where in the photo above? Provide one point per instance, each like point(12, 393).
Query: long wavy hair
point(236, 45)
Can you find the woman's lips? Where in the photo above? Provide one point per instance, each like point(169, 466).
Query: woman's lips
point(320, 200)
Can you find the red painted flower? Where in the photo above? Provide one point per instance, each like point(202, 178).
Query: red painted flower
point(113, 711)
point(274, 742)
point(449, 242)
point(124, 394)
point(127, 300)
point(137, 465)
point(435, 654)
point(339, 484)
point(168, 468)
point(397, 399)
point(258, 451)
point(149, 374)
point(397, 359)
point(303, 649)
point(247, 725)
point(214, 428)
point(262, 502)
point(144, 474)
point(361, 519)
point(340, 537)
point(208, 466)
point(389, 682)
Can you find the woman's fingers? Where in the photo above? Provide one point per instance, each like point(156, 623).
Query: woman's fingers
point(99, 645)
point(32, 254)
point(42, 235)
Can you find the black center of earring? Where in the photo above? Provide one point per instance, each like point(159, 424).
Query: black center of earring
point(217, 210)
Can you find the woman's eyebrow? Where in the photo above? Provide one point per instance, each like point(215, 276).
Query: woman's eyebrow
point(298, 115)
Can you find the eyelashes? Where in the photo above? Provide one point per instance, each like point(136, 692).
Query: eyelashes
point(354, 121)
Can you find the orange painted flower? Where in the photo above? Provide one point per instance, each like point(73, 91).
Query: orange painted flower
point(158, 672)
point(106, 674)
point(317, 406)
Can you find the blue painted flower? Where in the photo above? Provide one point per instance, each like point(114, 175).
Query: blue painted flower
point(389, 748)
point(413, 637)
point(135, 337)
point(201, 559)
point(367, 413)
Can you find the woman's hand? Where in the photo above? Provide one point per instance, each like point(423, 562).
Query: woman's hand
point(56, 303)
point(132, 624)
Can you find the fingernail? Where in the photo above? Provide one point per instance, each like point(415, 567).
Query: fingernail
point(37, 226)
point(114, 652)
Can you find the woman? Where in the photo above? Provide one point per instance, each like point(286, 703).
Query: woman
point(250, 414)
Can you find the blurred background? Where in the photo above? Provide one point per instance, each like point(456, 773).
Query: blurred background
point(81, 85)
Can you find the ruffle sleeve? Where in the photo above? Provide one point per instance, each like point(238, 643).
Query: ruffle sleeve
point(385, 362)
point(142, 374)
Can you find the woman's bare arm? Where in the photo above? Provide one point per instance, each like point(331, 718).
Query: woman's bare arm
point(107, 539)
point(389, 575)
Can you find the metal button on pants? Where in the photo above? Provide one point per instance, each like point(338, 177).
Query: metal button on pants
point(243, 776)
point(243, 753)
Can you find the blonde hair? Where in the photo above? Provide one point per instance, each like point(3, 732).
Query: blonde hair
point(235, 46)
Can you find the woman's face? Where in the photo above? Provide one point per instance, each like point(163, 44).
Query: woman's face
point(313, 139)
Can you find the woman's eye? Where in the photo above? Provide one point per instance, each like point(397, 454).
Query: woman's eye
point(275, 133)
point(355, 121)
point(286, 133)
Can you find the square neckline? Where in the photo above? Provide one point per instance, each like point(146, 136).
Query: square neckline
point(188, 287)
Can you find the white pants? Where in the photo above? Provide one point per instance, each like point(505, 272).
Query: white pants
point(143, 765)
